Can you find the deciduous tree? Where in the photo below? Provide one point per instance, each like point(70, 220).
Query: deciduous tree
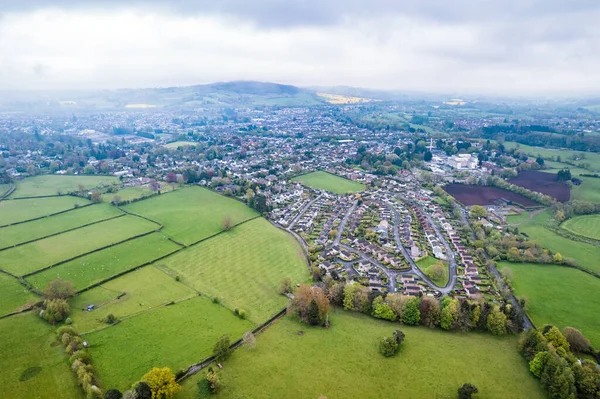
point(221, 350)
point(161, 382)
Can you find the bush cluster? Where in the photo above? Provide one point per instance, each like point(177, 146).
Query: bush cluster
point(80, 361)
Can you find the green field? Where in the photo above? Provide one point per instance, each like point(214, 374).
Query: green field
point(517, 219)
point(587, 226)
point(425, 262)
point(343, 362)
point(95, 267)
point(39, 254)
point(144, 290)
point(4, 189)
point(243, 267)
point(176, 144)
point(559, 295)
point(593, 158)
point(13, 295)
point(54, 184)
point(191, 214)
point(131, 193)
point(23, 232)
point(586, 255)
point(12, 211)
point(174, 336)
point(329, 182)
point(25, 341)
point(588, 190)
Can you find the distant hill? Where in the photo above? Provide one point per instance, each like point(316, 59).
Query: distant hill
point(250, 93)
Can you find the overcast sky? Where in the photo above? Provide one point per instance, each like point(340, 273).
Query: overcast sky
point(503, 47)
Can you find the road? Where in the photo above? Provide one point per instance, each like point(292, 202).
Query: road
point(342, 225)
point(527, 323)
point(302, 211)
point(414, 269)
point(452, 267)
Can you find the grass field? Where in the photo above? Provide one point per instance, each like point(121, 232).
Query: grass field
point(144, 289)
point(131, 193)
point(173, 336)
point(586, 255)
point(95, 267)
point(176, 144)
point(4, 189)
point(12, 211)
point(243, 267)
point(192, 213)
point(13, 295)
point(53, 184)
point(329, 182)
point(25, 341)
point(343, 362)
point(593, 158)
point(559, 295)
point(517, 219)
point(39, 254)
point(428, 261)
point(23, 232)
point(589, 190)
point(587, 226)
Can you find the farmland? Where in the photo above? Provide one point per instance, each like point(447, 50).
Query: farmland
point(36, 229)
point(243, 267)
point(134, 193)
point(328, 182)
point(143, 290)
point(430, 363)
point(587, 226)
point(544, 183)
point(585, 254)
point(103, 264)
point(592, 158)
point(36, 255)
point(13, 295)
point(484, 195)
point(191, 214)
point(174, 336)
point(588, 190)
point(38, 186)
point(559, 295)
point(25, 341)
point(13, 211)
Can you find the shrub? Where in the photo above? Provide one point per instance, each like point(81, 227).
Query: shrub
point(388, 346)
point(467, 391)
point(110, 319)
point(68, 321)
point(213, 381)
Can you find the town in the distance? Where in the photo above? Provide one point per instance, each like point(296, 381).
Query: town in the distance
point(258, 240)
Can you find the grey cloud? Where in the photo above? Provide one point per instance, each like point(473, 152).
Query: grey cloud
point(289, 13)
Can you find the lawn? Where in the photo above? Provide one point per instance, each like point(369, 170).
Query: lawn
point(176, 144)
point(586, 255)
point(329, 182)
point(95, 267)
point(174, 336)
point(559, 295)
point(54, 184)
point(588, 226)
point(13, 295)
point(426, 262)
point(144, 289)
point(343, 362)
point(25, 341)
point(12, 211)
point(243, 267)
point(23, 232)
point(192, 213)
point(36, 255)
